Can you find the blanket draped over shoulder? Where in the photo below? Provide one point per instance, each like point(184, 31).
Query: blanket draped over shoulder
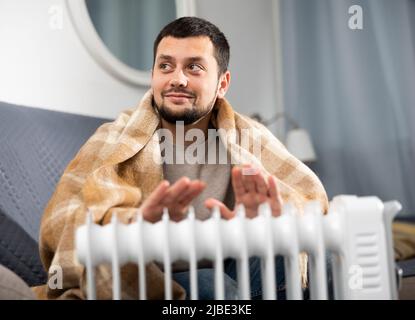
point(117, 168)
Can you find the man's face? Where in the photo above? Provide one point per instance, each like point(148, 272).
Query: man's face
point(185, 79)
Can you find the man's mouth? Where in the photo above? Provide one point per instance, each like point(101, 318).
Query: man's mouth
point(178, 98)
point(178, 95)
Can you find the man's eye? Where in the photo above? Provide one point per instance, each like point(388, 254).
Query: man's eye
point(195, 67)
point(164, 66)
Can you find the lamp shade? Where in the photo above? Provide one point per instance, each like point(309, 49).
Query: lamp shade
point(298, 143)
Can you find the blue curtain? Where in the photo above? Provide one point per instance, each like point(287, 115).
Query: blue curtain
point(354, 90)
point(129, 27)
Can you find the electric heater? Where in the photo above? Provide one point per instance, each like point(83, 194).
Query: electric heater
point(356, 232)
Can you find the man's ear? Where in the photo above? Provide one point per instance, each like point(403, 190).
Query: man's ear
point(224, 83)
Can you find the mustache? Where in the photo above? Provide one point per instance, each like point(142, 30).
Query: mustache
point(181, 91)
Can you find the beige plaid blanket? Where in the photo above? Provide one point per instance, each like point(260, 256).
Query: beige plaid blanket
point(115, 171)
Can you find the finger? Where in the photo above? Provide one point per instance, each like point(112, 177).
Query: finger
point(237, 184)
point(248, 178)
point(178, 215)
point(195, 188)
point(273, 187)
point(260, 184)
point(179, 206)
point(249, 170)
point(151, 208)
point(155, 198)
point(275, 196)
point(194, 185)
point(179, 187)
point(225, 212)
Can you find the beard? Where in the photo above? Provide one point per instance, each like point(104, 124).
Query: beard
point(188, 116)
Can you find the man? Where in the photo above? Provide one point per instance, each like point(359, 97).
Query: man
point(122, 168)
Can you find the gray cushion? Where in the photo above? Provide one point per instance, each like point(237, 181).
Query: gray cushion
point(35, 147)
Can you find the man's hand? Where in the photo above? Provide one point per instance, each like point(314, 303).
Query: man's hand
point(175, 198)
point(251, 189)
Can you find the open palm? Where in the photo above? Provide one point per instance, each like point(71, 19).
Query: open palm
point(251, 189)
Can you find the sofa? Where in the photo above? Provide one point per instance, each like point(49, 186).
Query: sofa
point(36, 145)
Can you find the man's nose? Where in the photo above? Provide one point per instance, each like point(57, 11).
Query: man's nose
point(179, 79)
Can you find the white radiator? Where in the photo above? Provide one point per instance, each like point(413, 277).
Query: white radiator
point(357, 232)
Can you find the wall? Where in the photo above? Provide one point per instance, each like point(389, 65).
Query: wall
point(249, 27)
point(49, 68)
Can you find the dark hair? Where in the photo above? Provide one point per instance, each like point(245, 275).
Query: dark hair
point(194, 27)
